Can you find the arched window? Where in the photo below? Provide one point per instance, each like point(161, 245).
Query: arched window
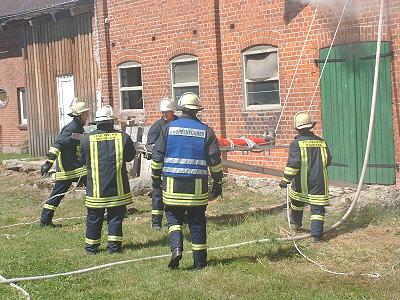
point(184, 75)
point(130, 85)
point(261, 76)
point(3, 98)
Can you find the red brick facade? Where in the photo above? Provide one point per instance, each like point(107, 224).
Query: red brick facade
point(217, 32)
point(13, 136)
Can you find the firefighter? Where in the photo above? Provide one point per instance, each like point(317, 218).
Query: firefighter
point(65, 151)
point(181, 156)
point(167, 109)
point(105, 152)
point(306, 171)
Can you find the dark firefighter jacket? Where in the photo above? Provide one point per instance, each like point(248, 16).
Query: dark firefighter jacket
point(65, 151)
point(174, 154)
point(105, 152)
point(307, 169)
point(155, 130)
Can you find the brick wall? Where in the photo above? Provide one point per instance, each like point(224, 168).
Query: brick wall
point(12, 135)
point(152, 32)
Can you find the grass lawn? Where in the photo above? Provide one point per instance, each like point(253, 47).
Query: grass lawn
point(4, 156)
point(369, 242)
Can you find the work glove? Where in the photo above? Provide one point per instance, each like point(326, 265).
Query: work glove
point(216, 189)
point(157, 182)
point(44, 169)
point(148, 156)
point(283, 184)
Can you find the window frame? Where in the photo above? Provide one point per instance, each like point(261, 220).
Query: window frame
point(258, 49)
point(179, 59)
point(128, 65)
point(21, 107)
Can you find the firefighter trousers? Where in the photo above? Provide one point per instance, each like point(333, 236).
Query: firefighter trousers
point(157, 207)
point(94, 223)
point(57, 194)
point(197, 225)
point(317, 216)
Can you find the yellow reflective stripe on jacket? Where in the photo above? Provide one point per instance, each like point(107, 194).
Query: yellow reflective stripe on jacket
point(79, 172)
point(114, 238)
point(48, 206)
point(183, 199)
point(217, 168)
point(184, 202)
point(304, 170)
point(94, 202)
point(92, 242)
point(317, 217)
point(119, 162)
point(95, 167)
point(174, 228)
point(291, 171)
point(308, 198)
point(156, 212)
point(185, 196)
point(198, 186)
point(286, 180)
point(59, 163)
point(170, 185)
point(196, 247)
point(54, 150)
point(324, 156)
point(156, 165)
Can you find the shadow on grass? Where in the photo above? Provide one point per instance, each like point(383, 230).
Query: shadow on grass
point(362, 218)
point(274, 254)
point(238, 218)
point(164, 241)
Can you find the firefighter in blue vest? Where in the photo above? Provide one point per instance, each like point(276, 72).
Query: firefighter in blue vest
point(167, 109)
point(306, 172)
point(65, 151)
point(182, 155)
point(105, 152)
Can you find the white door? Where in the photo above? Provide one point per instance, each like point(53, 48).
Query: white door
point(66, 93)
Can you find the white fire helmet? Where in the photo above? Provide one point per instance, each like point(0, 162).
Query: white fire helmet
point(78, 108)
point(303, 120)
point(190, 101)
point(104, 113)
point(167, 104)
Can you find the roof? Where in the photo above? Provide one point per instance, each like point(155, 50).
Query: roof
point(15, 9)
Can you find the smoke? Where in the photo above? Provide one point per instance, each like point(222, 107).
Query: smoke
point(323, 3)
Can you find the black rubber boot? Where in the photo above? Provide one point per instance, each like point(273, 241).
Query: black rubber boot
point(176, 256)
point(49, 224)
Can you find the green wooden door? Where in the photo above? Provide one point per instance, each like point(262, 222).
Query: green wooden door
point(346, 91)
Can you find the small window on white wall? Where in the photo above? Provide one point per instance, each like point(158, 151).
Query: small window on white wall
point(22, 106)
point(130, 85)
point(185, 75)
point(261, 76)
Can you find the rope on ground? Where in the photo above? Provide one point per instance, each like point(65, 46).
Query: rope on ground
point(8, 236)
point(20, 289)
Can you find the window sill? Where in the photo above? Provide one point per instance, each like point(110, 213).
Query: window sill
point(23, 126)
point(270, 107)
point(129, 111)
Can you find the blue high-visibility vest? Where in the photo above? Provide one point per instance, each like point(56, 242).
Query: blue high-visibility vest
point(185, 154)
